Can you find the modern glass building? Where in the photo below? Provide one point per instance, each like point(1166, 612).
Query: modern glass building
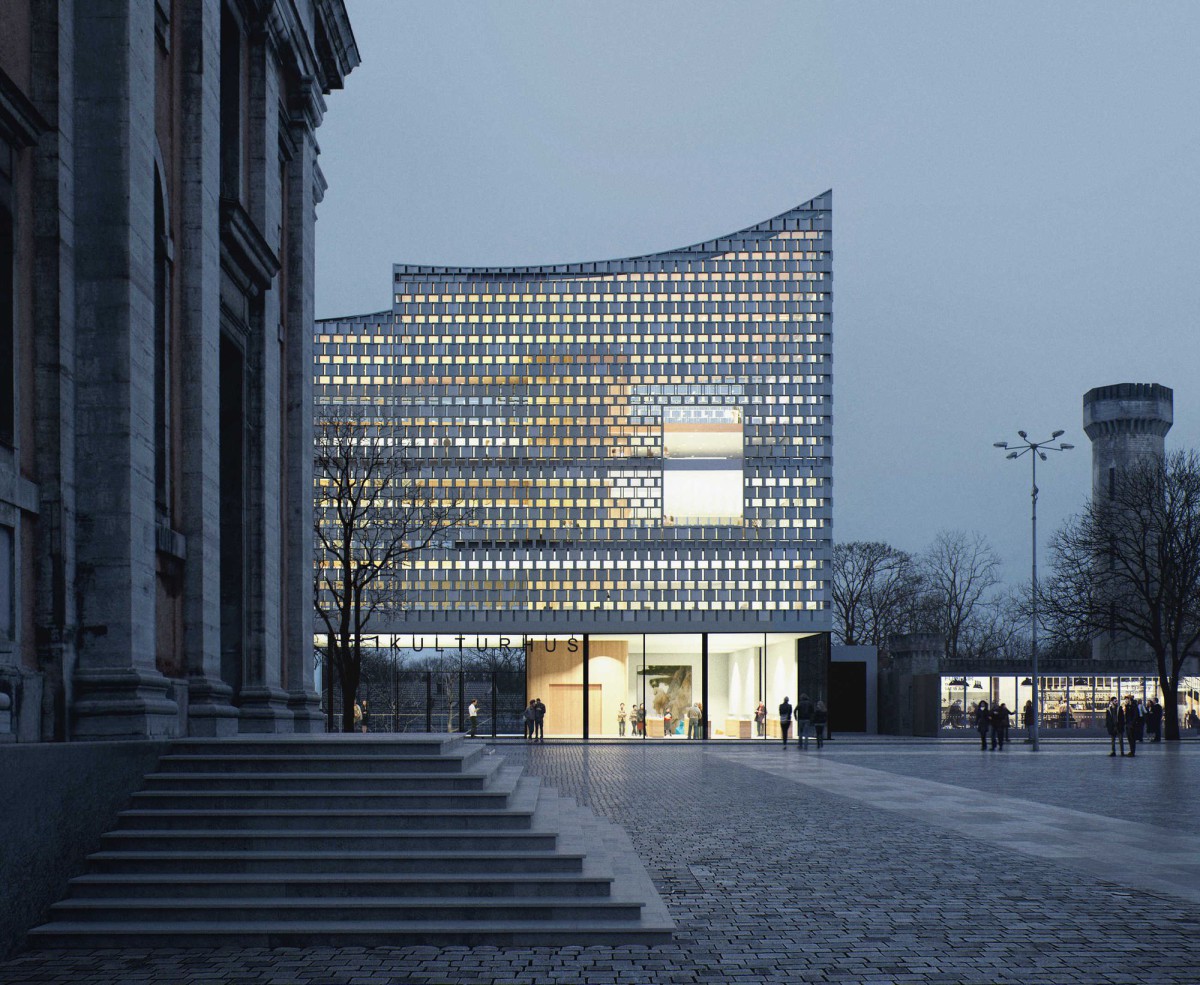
point(646, 444)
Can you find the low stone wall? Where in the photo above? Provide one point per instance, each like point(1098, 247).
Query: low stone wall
point(56, 800)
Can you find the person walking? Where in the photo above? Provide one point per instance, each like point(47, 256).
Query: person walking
point(803, 715)
point(983, 720)
point(785, 719)
point(1000, 725)
point(473, 715)
point(1114, 724)
point(621, 719)
point(760, 719)
point(539, 719)
point(820, 720)
point(1132, 722)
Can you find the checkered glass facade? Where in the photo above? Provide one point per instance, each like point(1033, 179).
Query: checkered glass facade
point(643, 441)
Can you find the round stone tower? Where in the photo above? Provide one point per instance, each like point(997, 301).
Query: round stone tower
point(1125, 422)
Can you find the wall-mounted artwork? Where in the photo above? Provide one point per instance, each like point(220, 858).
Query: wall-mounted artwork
point(669, 687)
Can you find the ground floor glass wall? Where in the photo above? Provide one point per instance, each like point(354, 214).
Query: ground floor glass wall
point(633, 685)
point(1066, 702)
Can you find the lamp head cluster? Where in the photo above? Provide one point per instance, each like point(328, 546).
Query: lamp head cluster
point(1039, 448)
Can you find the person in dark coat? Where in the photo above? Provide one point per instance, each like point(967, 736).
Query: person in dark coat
point(820, 720)
point(539, 718)
point(803, 715)
point(785, 719)
point(529, 716)
point(983, 720)
point(1155, 719)
point(1114, 724)
point(1000, 718)
point(1132, 722)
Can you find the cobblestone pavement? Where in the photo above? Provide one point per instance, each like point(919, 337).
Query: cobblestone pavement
point(779, 867)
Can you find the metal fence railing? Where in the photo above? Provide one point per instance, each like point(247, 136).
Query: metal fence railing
point(437, 700)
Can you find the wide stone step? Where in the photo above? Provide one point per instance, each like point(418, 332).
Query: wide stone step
point(330, 862)
point(316, 841)
point(327, 781)
point(232, 910)
point(356, 744)
point(294, 886)
point(317, 762)
point(365, 799)
point(328, 820)
point(512, 932)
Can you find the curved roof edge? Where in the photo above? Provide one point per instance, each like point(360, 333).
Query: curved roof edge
point(385, 315)
point(708, 247)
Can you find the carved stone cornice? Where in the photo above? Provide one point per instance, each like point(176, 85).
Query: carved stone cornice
point(20, 122)
point(243, 249)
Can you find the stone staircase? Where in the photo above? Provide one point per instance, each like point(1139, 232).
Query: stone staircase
point(354, 840)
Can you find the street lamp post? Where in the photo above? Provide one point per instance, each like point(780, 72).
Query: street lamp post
point(1036, 450)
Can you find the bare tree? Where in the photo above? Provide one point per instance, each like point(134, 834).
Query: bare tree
point(1129, 565)
point(959, 571)
point(373, 514)
point(873, 583)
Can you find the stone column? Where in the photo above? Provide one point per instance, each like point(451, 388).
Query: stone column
point(303, 193)
point(198, 270)
point(54, 352)
point(263, 701)
point(119, 691)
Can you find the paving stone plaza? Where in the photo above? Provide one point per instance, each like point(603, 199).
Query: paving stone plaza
point(874, 861)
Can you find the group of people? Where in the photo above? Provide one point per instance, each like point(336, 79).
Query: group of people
point(636, 716)
point(1130, 720)
point(995, 721)
point(804, 713)
point(535, 716)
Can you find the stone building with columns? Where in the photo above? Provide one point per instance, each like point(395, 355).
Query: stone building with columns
point(158, 188)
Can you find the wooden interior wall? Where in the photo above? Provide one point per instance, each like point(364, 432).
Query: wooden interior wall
point(550, 671)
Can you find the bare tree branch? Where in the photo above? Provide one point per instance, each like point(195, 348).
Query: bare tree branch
point(1128, 566)
point(374, 514)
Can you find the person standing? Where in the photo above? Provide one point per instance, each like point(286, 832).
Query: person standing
point(1132, 722)
point(1114, 723)
point(473, 715)
point(785, 719)
point(621, 719)
point(820, 720)
point(1027, 719)
point(1156, 719)
point(760, 718)
point(1000, 725)
point(983, 719)
point(539, 719)
point(366, 717)
point(529, 715)
point(641, 719)
point(803, 715)
point(693, 725)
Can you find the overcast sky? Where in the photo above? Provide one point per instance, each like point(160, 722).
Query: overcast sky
point(1016, 201)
